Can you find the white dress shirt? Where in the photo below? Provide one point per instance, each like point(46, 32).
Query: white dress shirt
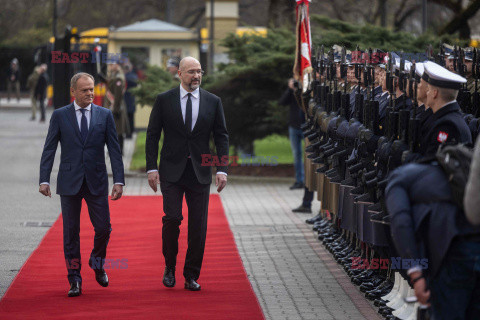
point(78, 114)
point(195, 108)
point(195, 104)
point(88, 115)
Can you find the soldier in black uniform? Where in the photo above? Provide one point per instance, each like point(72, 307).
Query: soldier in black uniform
point(447, 123)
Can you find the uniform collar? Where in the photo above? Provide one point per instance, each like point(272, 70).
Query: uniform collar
point(377, 90)
point(77, 107)
point(184, 92)
point(449, 107)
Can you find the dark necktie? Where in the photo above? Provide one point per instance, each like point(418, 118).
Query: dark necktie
point(188, 114)
point(83, 126)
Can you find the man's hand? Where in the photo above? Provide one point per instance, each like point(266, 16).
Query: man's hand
point(220, 181)
point(154, 180)
point(117, 191)
point(420, 288)
point(45, 190)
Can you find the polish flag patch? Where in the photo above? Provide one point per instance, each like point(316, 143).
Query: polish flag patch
point(442, 137)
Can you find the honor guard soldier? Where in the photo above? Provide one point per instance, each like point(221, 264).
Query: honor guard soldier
point(448, 125)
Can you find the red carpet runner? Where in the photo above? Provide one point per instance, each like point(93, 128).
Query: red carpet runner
point(40, 289)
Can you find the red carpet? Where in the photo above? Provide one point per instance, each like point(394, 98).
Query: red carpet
point(40, 289)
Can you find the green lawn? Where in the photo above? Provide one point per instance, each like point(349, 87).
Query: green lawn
point(271, 146)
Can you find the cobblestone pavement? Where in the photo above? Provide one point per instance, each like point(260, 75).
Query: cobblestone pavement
point(290, 272)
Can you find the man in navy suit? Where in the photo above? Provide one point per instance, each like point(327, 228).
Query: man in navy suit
point(83, 129)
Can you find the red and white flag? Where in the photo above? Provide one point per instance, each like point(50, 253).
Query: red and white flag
point(303, 53)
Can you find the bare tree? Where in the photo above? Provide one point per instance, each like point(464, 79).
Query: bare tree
point(462, 16)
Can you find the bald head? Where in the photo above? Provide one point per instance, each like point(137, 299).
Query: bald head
point(187, 62)
point(190, 73)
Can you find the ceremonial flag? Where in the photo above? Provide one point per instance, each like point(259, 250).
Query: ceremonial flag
point(303, 53)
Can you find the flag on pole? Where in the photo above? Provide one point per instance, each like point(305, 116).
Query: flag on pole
point(303, 53)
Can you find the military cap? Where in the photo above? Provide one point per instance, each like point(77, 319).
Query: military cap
point(419, 69)
point(447, 49)
point(438, 76)
point(468, 55)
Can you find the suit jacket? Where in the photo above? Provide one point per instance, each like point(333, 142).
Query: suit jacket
point(178, 144)
point(79, 160)
point(424, 219)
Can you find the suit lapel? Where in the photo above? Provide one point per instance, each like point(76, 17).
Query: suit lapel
point(93, 121)
point(73, 120)
point(177, 108)
point(201, 108)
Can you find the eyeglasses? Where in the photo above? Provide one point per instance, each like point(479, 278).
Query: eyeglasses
point(192, 72)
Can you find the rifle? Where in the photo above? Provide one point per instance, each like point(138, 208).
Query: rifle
point(464, 96)
point(414, 123)
point(441, 56)
point(345, 98)
point(476, 74)
point(403, 114)
point(429, 52)
point(358, 95)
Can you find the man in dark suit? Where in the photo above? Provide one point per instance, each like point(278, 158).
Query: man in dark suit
point(428, 226)
point(188, 116)
point(83, 129)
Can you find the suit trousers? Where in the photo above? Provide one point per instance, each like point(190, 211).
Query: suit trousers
point(196, 196)
point(455, 290)
point(99, 213)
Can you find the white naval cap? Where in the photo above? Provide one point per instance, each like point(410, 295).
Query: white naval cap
point(438, 76)
point(419, 68)
point(407, 65)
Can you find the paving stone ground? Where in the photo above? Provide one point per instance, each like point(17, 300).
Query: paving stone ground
point(293, 276)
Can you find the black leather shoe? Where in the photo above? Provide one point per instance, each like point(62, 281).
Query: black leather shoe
point(302, 209)
point(318, 218)
point(100, 275)
point(297, 185)
point(192, 285)
point(75, 289)
point(169, 277)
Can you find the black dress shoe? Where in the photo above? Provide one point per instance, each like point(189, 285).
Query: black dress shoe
point(379, 303)
point(100, 275)
point(75, 289)
point(192, 285)
point(297, 185)
point(302, 209)
point(317, 218)
point(169, 277)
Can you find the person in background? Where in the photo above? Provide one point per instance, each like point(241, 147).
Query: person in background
point(13, 79)
point(41, 90)
point(471, 200)
point(296, 118)
point(115, 102)
point(31, 85)
point(172, 68)
point(131, 80)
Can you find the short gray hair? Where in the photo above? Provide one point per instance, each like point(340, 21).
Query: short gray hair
point(446, 94)
point(73, 81)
